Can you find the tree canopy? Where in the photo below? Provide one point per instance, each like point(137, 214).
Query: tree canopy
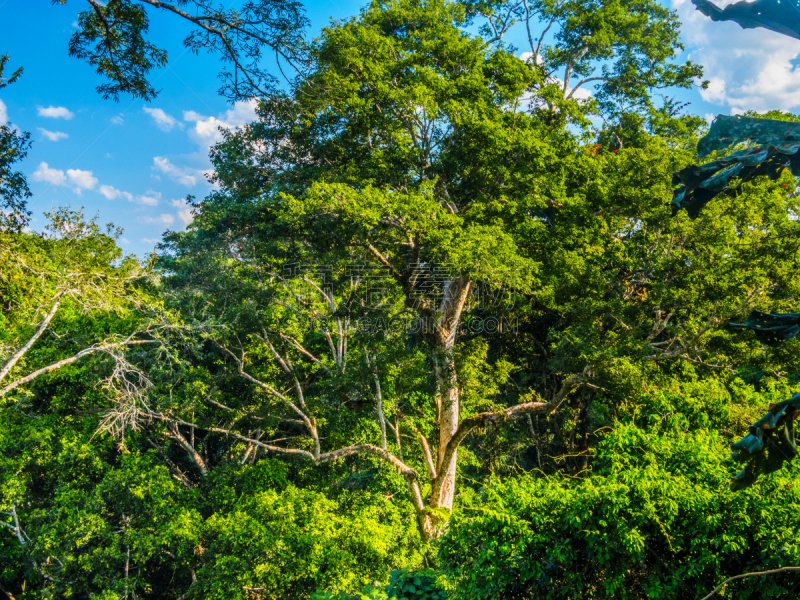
point(440, 331)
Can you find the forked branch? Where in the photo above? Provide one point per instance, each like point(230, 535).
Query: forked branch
point(102, 347)
point(485, 419)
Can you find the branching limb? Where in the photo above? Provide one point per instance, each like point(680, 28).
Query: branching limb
point(482, 420)
point(174, 434)
point(396, 430)
point(426, 452)
point(401, 467)
point(308, 420)
point(177, 473)
point(42, 326)
point(757, 574)
point(300, 348)
point(409, 473)
point(103, 347)
point(24, 540)
point(683, 348)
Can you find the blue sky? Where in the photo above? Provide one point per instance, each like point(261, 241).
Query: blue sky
point(133, 162)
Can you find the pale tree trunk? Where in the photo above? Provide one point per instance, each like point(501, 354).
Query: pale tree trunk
point(443, 486)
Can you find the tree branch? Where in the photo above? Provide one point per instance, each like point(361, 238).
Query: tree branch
point(42, 326)
point(300, 348)
point(174, 434)
point(70, 360)
point(485, 419)
point(760, 573)
point(401, 467)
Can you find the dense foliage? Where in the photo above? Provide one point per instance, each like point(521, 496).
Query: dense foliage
point(654, 519)
point(435, 334)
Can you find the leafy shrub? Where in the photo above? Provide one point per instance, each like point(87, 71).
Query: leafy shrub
point(655, 520)
point(420, 585)
point(404, 584)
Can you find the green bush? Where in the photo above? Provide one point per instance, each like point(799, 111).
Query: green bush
point(411, 585)
point(655, 519)
point(404, 584)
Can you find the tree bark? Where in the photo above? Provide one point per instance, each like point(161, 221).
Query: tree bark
point(443, 486)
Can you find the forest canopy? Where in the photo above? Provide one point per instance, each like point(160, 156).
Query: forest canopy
point(441, 330)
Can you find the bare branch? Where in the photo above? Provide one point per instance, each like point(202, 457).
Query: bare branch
point(383, 260)
point(174, 433)
point(23, 539)
point(301, 349)
point(174, 469)
point(756, 574)
point(403, 469)
point(260, 444)
point(426, 451)
point(42, 326)
point(103, 347)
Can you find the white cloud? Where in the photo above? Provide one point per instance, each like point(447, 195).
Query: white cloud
point(164, 121)
point(112, 193)
point(183, 175)
point(55, 112)
point(52, 176)
point(150, 241)
point(77, 179)
point(150, 198)
point(53, 136)
point(3, 113)
point(82, 180)
point(125, 240)
point(206, 129)
point(752, 68)
point(162, 219)
point(185, 214)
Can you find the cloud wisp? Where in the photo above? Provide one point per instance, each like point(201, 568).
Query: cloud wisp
point(182, 175)
point(53, 136)
point(80, 181)
point(162, 219)
point(185, 212)
point(163, 120)
point(55, 112)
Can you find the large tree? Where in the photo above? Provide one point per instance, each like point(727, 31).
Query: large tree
point(445, 168)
